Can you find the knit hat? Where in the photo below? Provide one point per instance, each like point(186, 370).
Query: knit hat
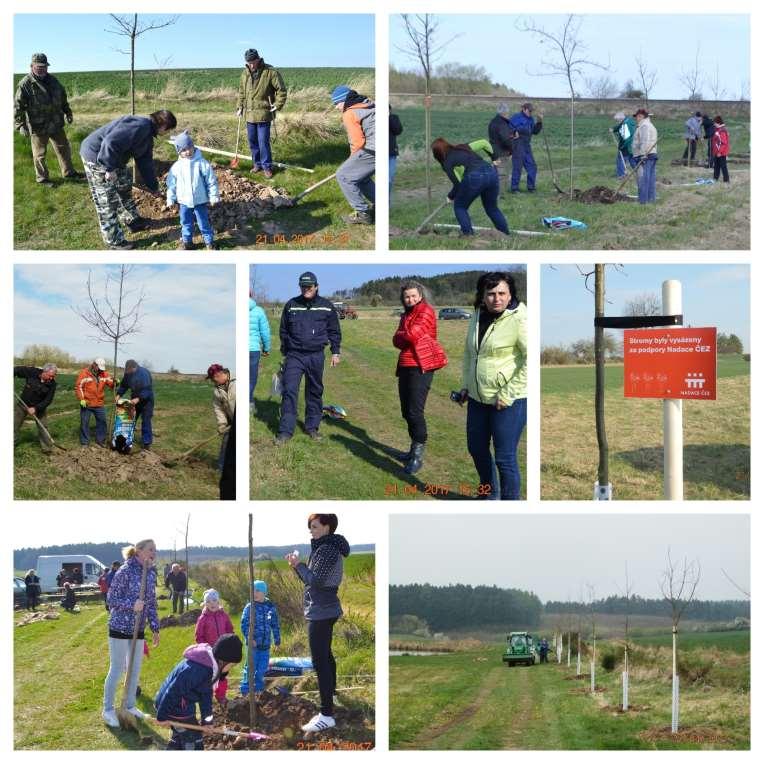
point(251, 54)
point(307, 279)
point(340, 93)
point(260, 586)
point(40, 58)
point(227, 649)
point(182, 141)
point(210, 595)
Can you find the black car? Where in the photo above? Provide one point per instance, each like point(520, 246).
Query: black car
point(19, 592)
point(444, 314)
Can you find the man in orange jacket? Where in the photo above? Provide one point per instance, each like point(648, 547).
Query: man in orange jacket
point(89, 389)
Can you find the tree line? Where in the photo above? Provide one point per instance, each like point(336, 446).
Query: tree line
point(449, 78)
point(462, 606)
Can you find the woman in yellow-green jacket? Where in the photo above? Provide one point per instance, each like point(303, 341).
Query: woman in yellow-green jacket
point(494, 384)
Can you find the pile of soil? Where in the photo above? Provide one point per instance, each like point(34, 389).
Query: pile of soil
point(241, 200)
point(587, 690)
point(40, 615)
point(186, 619)
point(281, 716)
point(685, 735)
point(616, 710)
point(599, 195)
point(102, 465)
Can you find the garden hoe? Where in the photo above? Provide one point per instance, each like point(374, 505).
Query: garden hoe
point(235, 161)
point(551, 168)
point(214, 730)
point(42, 427)
point(424, 223)
point(126, 720)
point(174, 462)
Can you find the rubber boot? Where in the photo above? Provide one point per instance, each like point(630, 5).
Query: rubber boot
point(402, 456)
point(417, 457)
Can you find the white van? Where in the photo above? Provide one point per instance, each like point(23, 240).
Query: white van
point(82, 570)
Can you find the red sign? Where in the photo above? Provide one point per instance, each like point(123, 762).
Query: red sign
point(670, 363)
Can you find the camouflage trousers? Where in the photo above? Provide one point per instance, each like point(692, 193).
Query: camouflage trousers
point(113, 201)
point(61, 146)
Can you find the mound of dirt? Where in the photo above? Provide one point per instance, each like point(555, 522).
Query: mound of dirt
point(281, 716)
point(240, 200)
point(587, 690)
point(102, 465)
point(599, 195)
point(40, 615)
point(616, 710)
point(186, 619)
point(685, 735)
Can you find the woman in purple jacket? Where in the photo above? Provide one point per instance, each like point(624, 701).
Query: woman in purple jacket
point(125, 605)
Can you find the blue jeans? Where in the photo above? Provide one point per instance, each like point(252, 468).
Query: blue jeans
point(522, 158)
point(483, 182)
point(254, 368)
point(202, 214)
point(259, 135)
point(391, 166)
point(620, 168)
point(99, 412)
point(486, 423)
point(260, 660)
point(646, 179)
point(295, 366)
point(145, 410)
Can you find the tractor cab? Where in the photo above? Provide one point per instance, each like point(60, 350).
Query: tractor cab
point(520, 649)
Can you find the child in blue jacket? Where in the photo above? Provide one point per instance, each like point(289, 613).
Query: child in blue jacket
point(266, 623)
point(192, 184)
point(191, 682)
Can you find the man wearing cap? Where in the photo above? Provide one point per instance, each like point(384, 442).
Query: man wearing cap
point(523, 127)
point(308, 324)
point(138, 381)
point(645, 150)
point(693, 132)
point(223, 403)
point(500, 134)
point(262, 93)
point(624, 133)
point(355, 175)
point(40, 108)
point(89, 389)
point(36, 396)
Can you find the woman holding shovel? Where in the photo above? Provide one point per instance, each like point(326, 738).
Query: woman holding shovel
point(322, 576)
point(132, 602)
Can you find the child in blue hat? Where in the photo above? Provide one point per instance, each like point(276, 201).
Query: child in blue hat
point(266, 624)
point(192, 184)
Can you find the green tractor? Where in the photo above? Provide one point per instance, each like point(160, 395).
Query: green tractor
point(520, 649)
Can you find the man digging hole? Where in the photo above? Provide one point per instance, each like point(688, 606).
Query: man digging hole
point(37, 394)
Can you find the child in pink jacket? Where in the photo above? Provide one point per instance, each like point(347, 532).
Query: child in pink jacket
point(211, 625)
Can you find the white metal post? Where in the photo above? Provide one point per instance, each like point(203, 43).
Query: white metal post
point(673, 446)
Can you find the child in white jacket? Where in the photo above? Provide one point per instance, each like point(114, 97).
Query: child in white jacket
point(191, 183)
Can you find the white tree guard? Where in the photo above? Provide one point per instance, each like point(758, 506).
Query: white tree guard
point(675, 704)
point(592, 675)
point(625, 688)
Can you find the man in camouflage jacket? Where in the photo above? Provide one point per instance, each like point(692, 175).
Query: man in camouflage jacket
point(40, 108)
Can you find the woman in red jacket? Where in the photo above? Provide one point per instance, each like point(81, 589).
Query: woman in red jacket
point(720, 148)
point(421, 355)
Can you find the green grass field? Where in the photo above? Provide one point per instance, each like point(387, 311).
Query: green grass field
point(60, 667)
point(183, 416)
point(353, 461)
point(307, 134)
point(471, 701)
point(699, 217)
point(735, 641)
point(716, 436)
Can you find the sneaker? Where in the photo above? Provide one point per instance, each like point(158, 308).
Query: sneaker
point(110, 717)
point(256, 169)
point(182, 244)
point(358, 218)
point(268, 174)
point(124, 244)
point(282, 438)
point(136, 712)
point(318, 723)
point(314, 435)
point(74, 175)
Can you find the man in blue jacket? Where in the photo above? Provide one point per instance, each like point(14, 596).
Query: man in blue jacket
point(105, 154)
point(138, 381)
point(523, 126)
point(308, 324)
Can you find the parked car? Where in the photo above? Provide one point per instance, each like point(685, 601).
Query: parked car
point(446, 314)
point(19, 592)
point(81, 570)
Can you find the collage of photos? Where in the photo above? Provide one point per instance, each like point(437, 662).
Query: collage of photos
point(554, 310)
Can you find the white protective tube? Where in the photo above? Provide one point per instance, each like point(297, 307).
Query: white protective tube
point(625, 686)
point(673, 466)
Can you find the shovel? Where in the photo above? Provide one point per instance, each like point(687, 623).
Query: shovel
point(39, 423)
point(235, 161)
point(424, 223)
point(635, 168)
point(174, 462)
point(309, 189)
point(126, 720)
point(551, 168)
point(214, 730)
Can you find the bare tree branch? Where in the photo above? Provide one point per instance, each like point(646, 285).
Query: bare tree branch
point(647, 77)
point(735, 584)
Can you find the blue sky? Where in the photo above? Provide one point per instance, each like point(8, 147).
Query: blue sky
point(668, 43)
point(189, 314)
point(78, 42)
point(712, 295)
point(280, 281)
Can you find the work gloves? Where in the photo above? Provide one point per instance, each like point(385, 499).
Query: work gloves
point(83, 403)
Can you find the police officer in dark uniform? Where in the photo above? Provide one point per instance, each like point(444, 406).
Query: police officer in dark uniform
point(308, 324)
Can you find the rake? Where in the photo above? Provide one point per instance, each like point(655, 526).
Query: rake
point(235, 160)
